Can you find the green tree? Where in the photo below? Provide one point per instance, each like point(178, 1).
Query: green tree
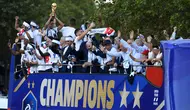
point(150, 16)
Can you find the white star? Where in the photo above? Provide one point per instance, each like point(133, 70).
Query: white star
point(137, 95)
point(124, 94)
point(33, 84)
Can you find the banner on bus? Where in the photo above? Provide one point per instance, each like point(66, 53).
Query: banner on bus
point(85, 91)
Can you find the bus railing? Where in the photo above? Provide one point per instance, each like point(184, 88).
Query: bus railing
point(80, 65)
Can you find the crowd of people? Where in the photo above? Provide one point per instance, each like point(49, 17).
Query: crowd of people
point(78, 50)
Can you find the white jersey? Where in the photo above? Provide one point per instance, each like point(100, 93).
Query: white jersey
point(51, 32)
point(37, 37)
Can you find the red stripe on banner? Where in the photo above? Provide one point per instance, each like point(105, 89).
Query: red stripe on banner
point(109, 30)
point(155, 76)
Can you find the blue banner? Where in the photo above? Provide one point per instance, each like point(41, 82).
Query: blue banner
point(85, 91)
point(176, 69)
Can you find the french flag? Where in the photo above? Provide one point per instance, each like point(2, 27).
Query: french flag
point(108, 31)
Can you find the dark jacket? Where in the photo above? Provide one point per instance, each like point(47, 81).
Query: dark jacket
point(69, 51)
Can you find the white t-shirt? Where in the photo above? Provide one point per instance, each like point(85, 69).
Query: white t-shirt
point(51, 32)
point(139, 49)
point(77, 44)
point(68, 31)
point(37, 37)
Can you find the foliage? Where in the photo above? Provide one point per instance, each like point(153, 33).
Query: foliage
point(150, 16)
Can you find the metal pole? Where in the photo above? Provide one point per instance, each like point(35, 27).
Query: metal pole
point(110, 71)
point(71, 69)
point(131, 69)
point(90, 69)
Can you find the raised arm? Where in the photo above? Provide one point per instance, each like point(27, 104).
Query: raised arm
point(29, 37)
point(111, 62)
point(139, 49)
point(43, 54)
point(47, 23)
point(86, 31)
point(158, 59)
point(131, 35)
point(114, 53)
point(32, 63)
point(16, 24)
point(173, 34)
point(61, 24)
point(36, 52)
point(14, 52)
point(125, 44)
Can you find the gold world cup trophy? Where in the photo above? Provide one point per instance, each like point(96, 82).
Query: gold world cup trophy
point(53, 8)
